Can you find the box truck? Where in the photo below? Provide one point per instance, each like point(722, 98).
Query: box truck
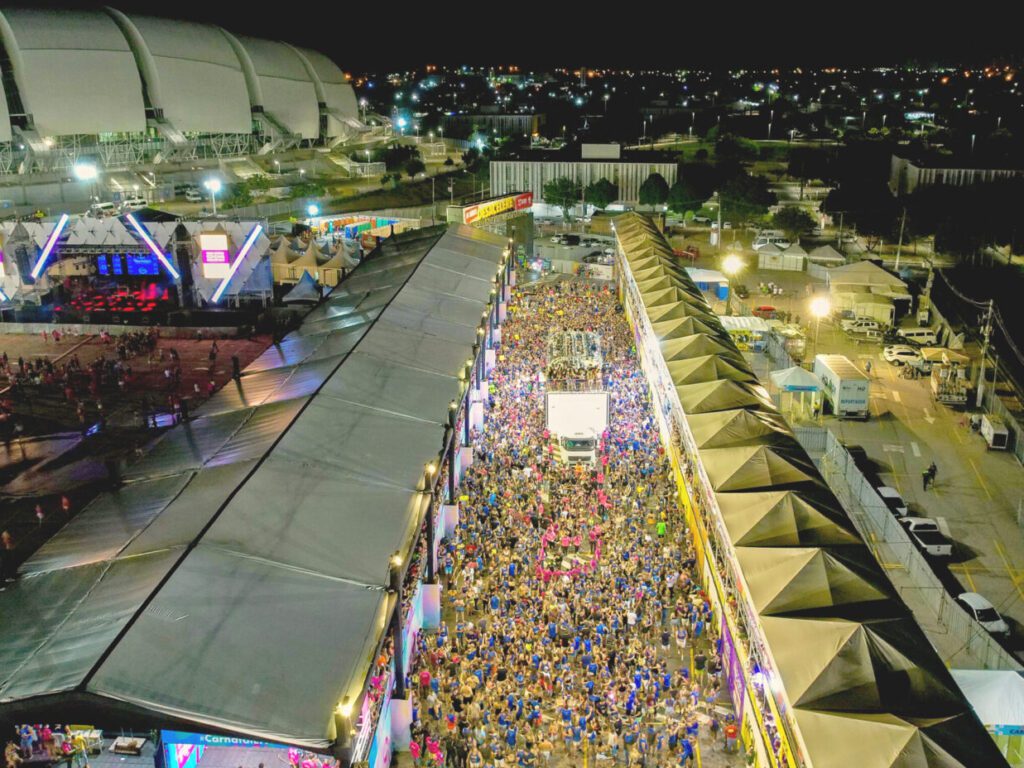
point(845, 388)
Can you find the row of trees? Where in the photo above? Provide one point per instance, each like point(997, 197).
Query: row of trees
point(743, 195)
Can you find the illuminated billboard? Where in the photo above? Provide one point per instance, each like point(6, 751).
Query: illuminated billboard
point(216, 259)
point(490, 208)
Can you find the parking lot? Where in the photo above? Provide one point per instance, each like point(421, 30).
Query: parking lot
point(978, 494)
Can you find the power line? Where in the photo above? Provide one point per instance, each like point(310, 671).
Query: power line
point(995, 313)
point(974, 302)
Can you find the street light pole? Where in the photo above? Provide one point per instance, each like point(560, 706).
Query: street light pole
point(986, 333)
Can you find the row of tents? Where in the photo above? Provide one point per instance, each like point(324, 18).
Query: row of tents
point(864, 685)
point(292, 257)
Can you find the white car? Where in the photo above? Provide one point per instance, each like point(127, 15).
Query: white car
point(781, 242)
point(859, 324)
point(902, 354)
point(984, 613)
point(193, 196)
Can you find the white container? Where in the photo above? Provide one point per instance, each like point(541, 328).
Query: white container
point(844, 386)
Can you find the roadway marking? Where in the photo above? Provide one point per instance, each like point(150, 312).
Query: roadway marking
point(928, 416)
point(890, 448)
point(915, 449)
point(896, 396)
point(980, 480)
point(1009, 570)
point(966, 571)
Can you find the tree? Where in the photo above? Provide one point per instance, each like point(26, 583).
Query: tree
point(395, 156)
point(732, 147)
point(806, 163)
point(563, 193)
point(601, 193)
point(794, 221)
point(414, 166)
point(449, 161)
point(385, 179)
point(470, 158)
point(683, 198)
point(308, 189)
point(701, 178)
point(654, 190)
point(745, 197)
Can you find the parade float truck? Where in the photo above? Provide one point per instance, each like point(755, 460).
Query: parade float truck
point(575, 401)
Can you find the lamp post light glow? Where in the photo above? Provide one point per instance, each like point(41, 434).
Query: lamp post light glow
point(213, 186)
point(820, 307)
point(85, 171)
point(731, 266)
point(313, 210)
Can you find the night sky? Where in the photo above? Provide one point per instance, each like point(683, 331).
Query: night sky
point(369, 36)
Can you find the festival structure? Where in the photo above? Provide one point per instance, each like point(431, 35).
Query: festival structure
point(826, 664)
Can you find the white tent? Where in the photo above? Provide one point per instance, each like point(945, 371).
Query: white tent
point(996, 695)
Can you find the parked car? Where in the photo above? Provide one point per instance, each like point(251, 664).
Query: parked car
point(848, 237)
point(925, 532)
point(902, 354)
point(983, 612)
point(924, 337)
point(781, 241)
point(99, 210)
point(892, 499)
point(859, 324)
point(705, 220)
point(193, 196)
point(741, 291)
point(765, 311)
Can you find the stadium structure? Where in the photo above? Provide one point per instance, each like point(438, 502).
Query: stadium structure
point(124, 91)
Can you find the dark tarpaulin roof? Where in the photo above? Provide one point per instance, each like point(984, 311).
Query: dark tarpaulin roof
point(237, 580)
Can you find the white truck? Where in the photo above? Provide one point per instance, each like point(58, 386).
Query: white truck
point(925, 532)
point(846, 389)
point(575, 421)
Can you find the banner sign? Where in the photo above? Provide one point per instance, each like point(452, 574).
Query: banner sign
point(491, 208)
point(216, 260)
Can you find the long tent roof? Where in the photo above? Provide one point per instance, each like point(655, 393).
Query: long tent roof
point(237, 581)
point(866, 686)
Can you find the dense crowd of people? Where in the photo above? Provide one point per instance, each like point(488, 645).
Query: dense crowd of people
point(573, 623)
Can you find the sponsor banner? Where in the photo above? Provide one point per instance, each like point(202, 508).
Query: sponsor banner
point(491, 208)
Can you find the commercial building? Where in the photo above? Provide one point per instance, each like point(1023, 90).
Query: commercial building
point(501, 124)
point(591, 163)
point(122, 90)
point(908, 174)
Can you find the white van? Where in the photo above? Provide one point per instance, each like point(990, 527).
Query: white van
point(924, 337)
point(133, 203)
point(99, 210)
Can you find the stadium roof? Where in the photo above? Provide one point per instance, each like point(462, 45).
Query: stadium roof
point(92, 72)
point(237, 581)
point(865, 685)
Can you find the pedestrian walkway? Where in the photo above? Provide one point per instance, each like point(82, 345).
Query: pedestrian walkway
point(574, 632)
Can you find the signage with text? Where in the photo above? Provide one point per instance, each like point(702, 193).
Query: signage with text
point(216, 260)
point(486, 210)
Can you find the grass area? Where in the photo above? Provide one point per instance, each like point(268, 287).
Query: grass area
point(407, 195)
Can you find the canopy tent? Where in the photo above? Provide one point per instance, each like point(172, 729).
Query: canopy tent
point(838, 644)
point(784, 519)
point(794, 579)
point(757, 467)
point(944, 355)
point(721, 395)
point(684, 326)
point(839, 739)
point(863, 273)
point(268, 521)
point(739, 426)
point(306, 291)
point(796, 379)
point(996, 695)
point(826, 254)
point(745, 323)
point(708, 368)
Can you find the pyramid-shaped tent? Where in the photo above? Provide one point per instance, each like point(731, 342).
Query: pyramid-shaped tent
point(740, 426)
point(757, 467)
point(842, 739)
point(790, 580)
point(680, 327)
point(698, 370)
point(721, 395)
point(697, 345)
point(784, 519)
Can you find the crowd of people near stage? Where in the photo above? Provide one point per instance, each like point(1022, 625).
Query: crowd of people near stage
point(574, 629)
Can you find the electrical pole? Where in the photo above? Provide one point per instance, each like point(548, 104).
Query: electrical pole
point(839, 240)
point(986, 332)
point(899, 245)
point(718, 244)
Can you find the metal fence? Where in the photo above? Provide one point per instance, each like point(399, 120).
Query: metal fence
point(909, 571)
